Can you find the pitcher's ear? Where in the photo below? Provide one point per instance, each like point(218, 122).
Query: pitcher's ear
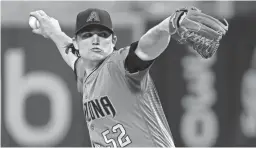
point(114, 39)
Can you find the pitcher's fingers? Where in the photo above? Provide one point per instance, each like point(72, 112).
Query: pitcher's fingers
point(36, 15)
point(42, 13)
point(36, 31)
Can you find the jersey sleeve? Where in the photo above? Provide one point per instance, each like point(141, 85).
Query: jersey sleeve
point(131, 64)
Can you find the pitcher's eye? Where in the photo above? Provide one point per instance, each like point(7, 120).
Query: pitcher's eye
point(104, 34)
point(87, 35)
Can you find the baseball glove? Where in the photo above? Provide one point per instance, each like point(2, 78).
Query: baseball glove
point(192, 27)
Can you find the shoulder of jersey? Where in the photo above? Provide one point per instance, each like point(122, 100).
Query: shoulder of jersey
point(124, 49)
point(120, 53)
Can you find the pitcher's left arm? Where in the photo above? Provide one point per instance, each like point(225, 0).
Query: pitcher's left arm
point(187, 26)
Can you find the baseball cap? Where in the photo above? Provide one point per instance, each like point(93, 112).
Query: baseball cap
point(93, 16)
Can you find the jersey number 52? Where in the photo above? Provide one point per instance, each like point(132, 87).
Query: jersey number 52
point(122, 139)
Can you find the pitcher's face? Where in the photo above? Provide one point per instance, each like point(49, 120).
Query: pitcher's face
point(95, 43)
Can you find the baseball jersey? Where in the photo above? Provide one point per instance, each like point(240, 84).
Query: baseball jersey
point(122, 109)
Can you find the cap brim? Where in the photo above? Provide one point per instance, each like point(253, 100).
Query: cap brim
point(90, 25)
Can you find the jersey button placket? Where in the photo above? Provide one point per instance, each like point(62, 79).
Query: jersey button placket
point(92, 127)
point(85, 92)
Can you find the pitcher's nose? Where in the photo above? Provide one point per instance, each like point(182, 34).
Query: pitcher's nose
point(95, 39)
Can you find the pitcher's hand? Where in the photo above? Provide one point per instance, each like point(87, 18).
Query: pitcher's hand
point(48, 25)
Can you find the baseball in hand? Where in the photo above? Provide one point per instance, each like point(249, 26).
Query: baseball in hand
point(33, 22)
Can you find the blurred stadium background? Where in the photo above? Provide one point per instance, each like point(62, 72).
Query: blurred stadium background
point(207, 102)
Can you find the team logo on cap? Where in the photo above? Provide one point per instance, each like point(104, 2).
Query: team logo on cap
point(94, 17)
